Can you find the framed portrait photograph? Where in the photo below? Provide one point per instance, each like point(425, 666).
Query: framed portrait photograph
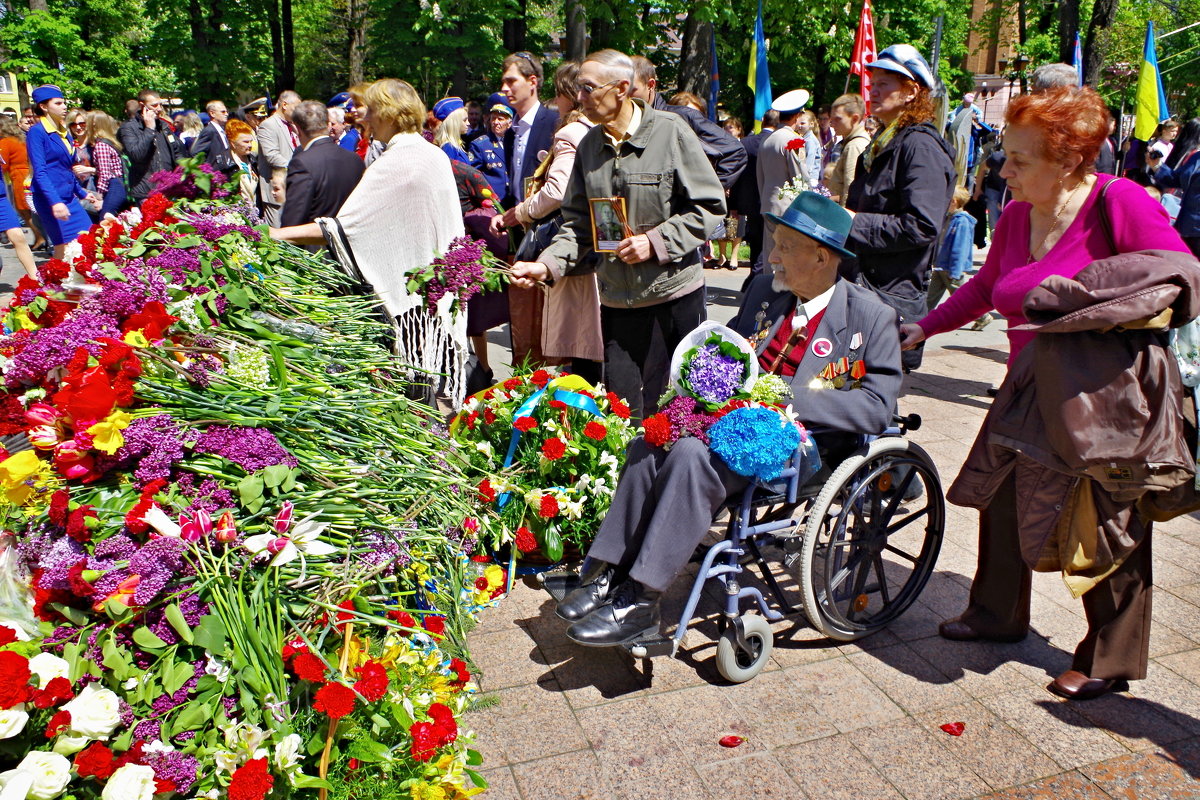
point(610, 224)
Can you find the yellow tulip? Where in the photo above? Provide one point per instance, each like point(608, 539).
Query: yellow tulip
point(106, 435)
point(136, 339)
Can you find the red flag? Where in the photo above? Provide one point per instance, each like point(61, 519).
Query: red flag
point(864, 52)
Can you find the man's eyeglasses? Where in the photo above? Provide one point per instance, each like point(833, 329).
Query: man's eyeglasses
point(587, 88)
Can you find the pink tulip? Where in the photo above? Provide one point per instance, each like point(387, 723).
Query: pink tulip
point(226, 531)
point(470, 525)
point(195, 528)
point(69, 451)
point(43, 436)
point(283, 520)
point(42, 414)
point(78, 469)
point(276, 545)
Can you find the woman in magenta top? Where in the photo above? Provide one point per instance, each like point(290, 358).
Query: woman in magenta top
point(1054, 227)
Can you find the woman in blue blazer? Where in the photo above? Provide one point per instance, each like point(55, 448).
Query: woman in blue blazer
point(56, 192)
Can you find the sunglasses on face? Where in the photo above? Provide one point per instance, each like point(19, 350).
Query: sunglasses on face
point(78, 124)
point(587, 88)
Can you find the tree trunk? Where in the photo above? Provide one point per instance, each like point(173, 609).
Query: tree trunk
point(1104, 14)
point(356, 35)
point(38, 5)
point(272, 7)
point(695, 59)
point(515, 29)
point(208, 82)
point(200, 44)
point(288, 72)
point(1068, 28)
point(458, 81)
point(601, 30)
point(575, 41)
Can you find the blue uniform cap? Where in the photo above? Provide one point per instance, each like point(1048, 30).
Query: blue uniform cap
point(447, 106)
point(47, 92)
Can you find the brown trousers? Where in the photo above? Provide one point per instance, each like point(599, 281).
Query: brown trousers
point(1117, 644)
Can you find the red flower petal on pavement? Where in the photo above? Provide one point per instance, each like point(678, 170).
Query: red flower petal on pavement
point(730, 741)
point(954, 728)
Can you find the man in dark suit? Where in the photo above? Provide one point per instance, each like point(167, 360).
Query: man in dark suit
point(320, 175)
point(804, 322)
point(212, 141)
point(744, 197)
point(532, 131)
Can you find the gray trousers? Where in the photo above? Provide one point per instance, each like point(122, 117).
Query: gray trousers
point(662, 509)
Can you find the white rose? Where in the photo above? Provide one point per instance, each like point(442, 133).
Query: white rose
point(67, 745)
point(12, 721)
point(48, 666)
point(15, 785)
point(50, 772)
point(130, 782)
point(94, 712)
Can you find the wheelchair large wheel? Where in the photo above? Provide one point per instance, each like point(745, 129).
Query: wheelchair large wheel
point(868, 551)
point(739, 662)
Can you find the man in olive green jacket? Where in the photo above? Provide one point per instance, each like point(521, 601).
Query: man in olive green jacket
point(652, 282)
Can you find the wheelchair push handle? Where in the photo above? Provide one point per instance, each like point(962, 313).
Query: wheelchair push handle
point(911, 422)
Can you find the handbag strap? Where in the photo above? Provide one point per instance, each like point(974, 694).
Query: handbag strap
point(1105, 221)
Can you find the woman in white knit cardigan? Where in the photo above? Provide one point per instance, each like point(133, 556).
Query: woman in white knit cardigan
point(403, 213)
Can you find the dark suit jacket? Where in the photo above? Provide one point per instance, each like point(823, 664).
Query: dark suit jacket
point(319, 179)
point(213, 145)
point(723, 149)
point(857, 325)
point(541, 137)
point(744, 197)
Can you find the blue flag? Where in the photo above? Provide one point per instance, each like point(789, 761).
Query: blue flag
point(760, 78)
point(714, 86)
point(1078, 58)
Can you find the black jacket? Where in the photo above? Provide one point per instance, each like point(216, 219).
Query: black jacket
point(319, 179)
point(744, 196)
point(214, 147)
point(149, 151)
point(724, 151)
point(900, 206)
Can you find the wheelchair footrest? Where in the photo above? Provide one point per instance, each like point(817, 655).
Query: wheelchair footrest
point(558, 584)
point(649, 648)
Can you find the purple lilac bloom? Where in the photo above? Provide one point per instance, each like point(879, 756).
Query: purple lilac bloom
point(48, 348)
point(685, 421)
point(148, 730)
point(118, 547)
point(57, 562)
point(126, 712)
point(459, 272)
point(208, 496)
point(179, 768)
point(157, 562)
point(715, 377)
point(193, 609)
point(230, 703)
point(186, 736)
point(251, 449)
point(107, 583)
point(156, 443)
point(147, 279)
point(211, 229)
point(176, 263)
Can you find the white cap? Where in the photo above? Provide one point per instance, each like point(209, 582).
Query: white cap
point(791, 102)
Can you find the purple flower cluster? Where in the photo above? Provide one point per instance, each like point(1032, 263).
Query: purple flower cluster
point(210, 229)
point(176, 263)
point(251, 449)
point(207, 496)
point(714, 376)
point(192, 608)
point(178, 768)
point(57, 561)
point(149, 279)
point(687, 418)
point(459, 272)
point(156, 562)
point(48, 348)
point(156, 444)
point(182, 183)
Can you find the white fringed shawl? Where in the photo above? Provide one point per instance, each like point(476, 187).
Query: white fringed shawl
point(403, 214)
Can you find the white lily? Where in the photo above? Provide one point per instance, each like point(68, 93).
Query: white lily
point(301, 541)
point(157, 518)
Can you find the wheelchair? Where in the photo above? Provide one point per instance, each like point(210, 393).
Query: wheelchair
point(863, 537)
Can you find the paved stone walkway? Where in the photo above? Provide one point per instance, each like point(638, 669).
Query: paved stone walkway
point(858, 721)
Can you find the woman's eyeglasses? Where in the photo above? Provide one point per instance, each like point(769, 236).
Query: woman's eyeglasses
point(587, 88)
point(78, 124)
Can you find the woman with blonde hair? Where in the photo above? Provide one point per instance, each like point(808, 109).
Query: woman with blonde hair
point(104, 152)
point(14, 161)
point(407, 195)
point(449, 134)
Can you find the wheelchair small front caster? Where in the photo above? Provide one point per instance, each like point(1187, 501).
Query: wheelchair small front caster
point(744, 648)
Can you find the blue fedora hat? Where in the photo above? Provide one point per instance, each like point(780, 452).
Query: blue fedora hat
point(818, 218)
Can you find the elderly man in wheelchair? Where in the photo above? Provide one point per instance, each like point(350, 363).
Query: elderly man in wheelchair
point(835, 343)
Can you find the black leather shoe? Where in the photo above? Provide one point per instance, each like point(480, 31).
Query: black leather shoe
point(1074, 685)
point(633, 614)
point(591, 593)
point(958, 631)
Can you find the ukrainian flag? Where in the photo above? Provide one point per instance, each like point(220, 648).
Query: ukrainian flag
point(759, 79)
point(1151, 102)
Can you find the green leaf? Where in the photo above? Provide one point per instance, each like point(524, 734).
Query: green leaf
point(255, 505)
point(74, 614)
point(122, 742)
point(368, 750)
point(552, 544)
point(289, 482)
point(476, 778)
point(210, 634)
point(401, 716)
point(176, 676)
point(380, 721)
point(275, 474)
point(111, 271)
point(117, 611)
point(175, 617)
point(236, 295)
point(144, 637)
point(250, 488)
point(474, 758)
point(311, 781)
point(192, 715)
point(114, 659)
point(315, 743)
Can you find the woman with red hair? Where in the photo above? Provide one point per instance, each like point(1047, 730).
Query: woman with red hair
point(1065, 226)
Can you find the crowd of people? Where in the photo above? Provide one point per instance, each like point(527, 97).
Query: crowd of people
point(610, 201)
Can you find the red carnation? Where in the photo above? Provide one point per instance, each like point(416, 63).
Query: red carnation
point(481, 583)
point(59, 508)
point(618, 407)
point(554, 448)
point(163, 786)
point(293, 646)
point(335, 700)
point(525, 424)
point(59, 723)
point(7, 635)
point(425, 736)
point(794, 144)
point(489, 416)
point(595, 430)
point(77, 527)
point(526, 541)
point(459, 668)
point(548, 508)
point(251, 781)
point(657, 429)
point(308, 667)
point(344, 615)
point(96, 761)
point(402, 617)
point(540, 378)
point(58, 690)
point(14, 678)
point(434, 624)
point(443, 719)
point(486, 492)
point(372, 681)
point(558, 405)
point(512, 383)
